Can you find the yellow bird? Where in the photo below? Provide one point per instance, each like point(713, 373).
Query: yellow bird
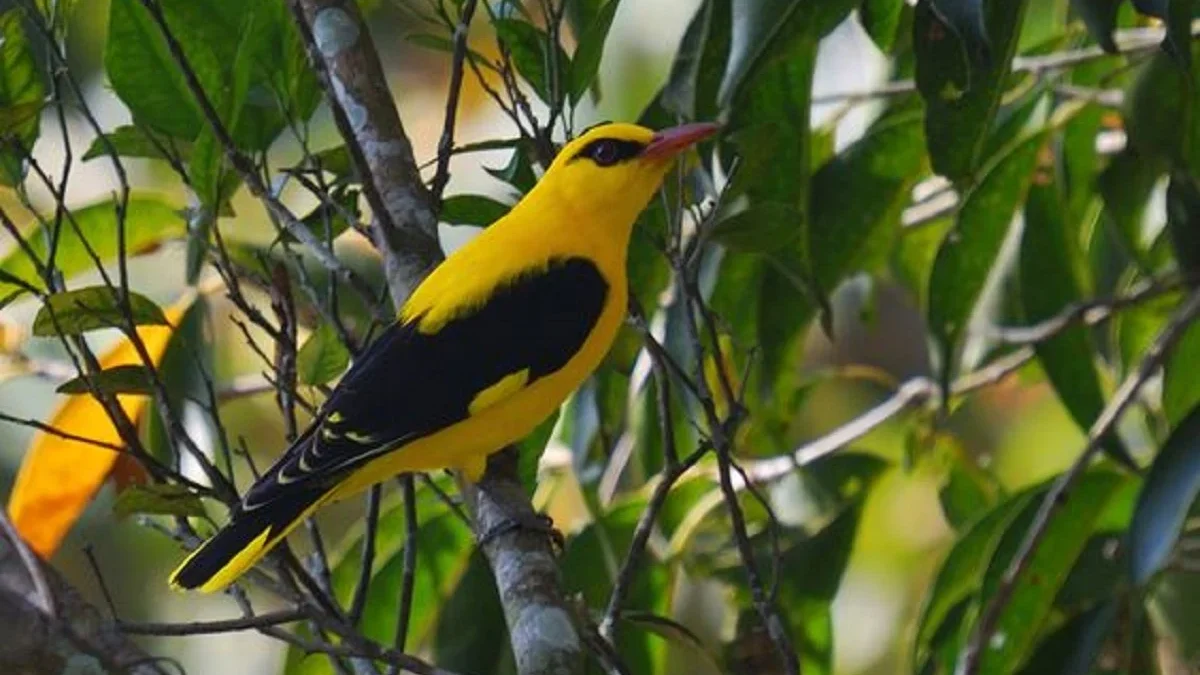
point(485, 349)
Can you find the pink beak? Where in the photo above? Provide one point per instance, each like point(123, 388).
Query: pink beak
point(670, 142)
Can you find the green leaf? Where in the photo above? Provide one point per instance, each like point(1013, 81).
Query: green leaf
point(92, 308)
point(129, 379)
point(471, 636)
point(1073, 648)
point(763, 227)
point(863, 191)
point(443, 554)
point(143, 73)
point(328, 220)
point(134, 141)
point(530, 451)
point(148, 222)
point(476, 210)
point(1048, 276)
point(1126, 185)
point(1161, 112)
point(22, 94)
point(518, 172)
point(591, 48)
point(762, 31)
point(959, 577)
point(1181, 387)
point(691, 88)
point(969, 250)
point(961, 92)
point(185, 372)
point(881, 20)
point(163, 499)
point(1167, 495)
point(966, 18)
point(532, 56)
point(1183, 221)
point(1032, 598)
point(322, 358)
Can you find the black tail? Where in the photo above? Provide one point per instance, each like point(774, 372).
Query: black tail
point(248, 536)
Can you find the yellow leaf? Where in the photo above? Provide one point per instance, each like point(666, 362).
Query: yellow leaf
point(60, 477)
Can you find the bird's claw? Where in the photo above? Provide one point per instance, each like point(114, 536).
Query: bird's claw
point(539, 523)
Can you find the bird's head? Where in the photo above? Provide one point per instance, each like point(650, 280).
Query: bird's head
point(614, 169)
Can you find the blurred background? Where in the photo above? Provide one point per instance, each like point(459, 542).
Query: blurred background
point(1019, 428)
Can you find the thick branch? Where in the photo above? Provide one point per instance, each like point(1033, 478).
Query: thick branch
point(48, 623)
point(544, 636)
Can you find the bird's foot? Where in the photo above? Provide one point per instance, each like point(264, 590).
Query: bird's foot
point(538, 523)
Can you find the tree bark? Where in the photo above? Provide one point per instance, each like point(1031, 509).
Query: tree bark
point(544, 636)
point(48, 628)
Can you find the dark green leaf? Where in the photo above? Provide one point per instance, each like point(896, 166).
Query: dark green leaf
point(1100, 16)
point(691, 88)
point(134, 141)
point(165, 499)
point(92, 308)
point(763, 227)
point(962, 93)
point(1162, 109)
point(147, 223)
point(323, 356)
point(591, 47)
point(881, 19)
point(1125, 185)
point(476, 210)
point(1048, 272)
point(1181, 387)
point(966, 19)
point(185, 373)
point(1032, 598)
point(129, 379)
point(1183, 221)
point(862, 192)
point(471, 636)
point(1169, 490)
point(969, 250)
point(21, 96)
point(518, 172)
point(1074, 647)
point(532, 57)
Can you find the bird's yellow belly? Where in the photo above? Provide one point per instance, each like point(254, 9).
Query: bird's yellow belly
point(466, 445)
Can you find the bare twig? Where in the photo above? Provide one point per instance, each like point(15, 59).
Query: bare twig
point(210, 627)
point(446, 142)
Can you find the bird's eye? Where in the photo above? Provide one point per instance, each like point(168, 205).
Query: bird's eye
point(605, 153)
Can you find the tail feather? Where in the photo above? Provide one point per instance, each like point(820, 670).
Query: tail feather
point(248, 536)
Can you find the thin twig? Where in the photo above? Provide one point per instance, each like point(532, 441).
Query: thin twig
point(211, 627)
point(446, 142)
point(1059, 492)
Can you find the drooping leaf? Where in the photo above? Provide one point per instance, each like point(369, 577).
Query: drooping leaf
point(590, 49)
point(969, 250)
point(1032, 599)
point(134, 141)
point(1161, 112)
point(476, 210)
point(1183, 221)
point(1125, 185)
point(1100, 16)
point(147, 222)
point(1167, 494)
point(322, 358)
point(1073, 648)
point(126, 379)
point(22, 93)
point(92, 308)
point(166, 499)
point(1049, 282)
point(532, 55)
point(962, 93)
point(59, 477)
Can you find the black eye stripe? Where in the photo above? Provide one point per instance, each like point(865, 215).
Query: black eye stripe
point(609, 151)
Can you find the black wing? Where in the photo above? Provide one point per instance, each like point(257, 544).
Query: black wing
point(408, 384)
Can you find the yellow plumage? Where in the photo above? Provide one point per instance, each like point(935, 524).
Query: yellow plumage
point(485, 349)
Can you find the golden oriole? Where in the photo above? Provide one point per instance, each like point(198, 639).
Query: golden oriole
point(485, 349)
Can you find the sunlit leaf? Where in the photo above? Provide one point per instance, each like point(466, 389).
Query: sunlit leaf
point(21, 96)
point(127, 379)
point(134, 141)
point(591, 47)
point(322, 357)
point(59, 477)
point(147, 222)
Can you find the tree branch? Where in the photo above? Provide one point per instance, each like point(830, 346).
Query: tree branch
point(543, 634)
